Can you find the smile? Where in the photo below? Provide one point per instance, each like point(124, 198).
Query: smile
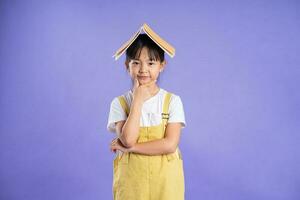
point(143, 77)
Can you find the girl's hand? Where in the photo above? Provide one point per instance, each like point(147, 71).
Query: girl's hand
point(116, 144)
point(142, 92)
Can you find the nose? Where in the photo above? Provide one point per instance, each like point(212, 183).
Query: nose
point(143, 68)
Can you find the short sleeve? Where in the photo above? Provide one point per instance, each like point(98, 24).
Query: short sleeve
point(176, 110)
point(116, 114)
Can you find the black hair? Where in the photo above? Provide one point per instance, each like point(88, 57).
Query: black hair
point(143, 40)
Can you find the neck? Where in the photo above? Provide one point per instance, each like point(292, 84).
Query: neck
point(154, 89)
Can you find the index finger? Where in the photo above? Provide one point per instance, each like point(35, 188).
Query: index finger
point(136, 83)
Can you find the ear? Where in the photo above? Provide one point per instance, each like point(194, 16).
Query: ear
point(127, 66)
point(162, 65)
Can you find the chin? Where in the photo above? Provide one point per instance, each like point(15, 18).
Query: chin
point(144, 82)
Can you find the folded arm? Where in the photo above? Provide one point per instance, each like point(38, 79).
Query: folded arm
point(166, 145)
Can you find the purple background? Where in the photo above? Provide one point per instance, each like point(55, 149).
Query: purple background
point(236, 69)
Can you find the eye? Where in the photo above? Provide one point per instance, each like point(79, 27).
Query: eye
point(151, 63)
point(135, 63)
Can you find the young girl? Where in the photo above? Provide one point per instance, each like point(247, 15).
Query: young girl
point(147, 121)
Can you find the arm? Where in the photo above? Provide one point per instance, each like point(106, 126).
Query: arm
point(166, 145)
point(128, 131)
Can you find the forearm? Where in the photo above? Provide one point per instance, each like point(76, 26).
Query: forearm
point(154, 147)
point(130, 130)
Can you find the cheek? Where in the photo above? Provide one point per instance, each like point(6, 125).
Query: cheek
point(133, 71)
point(133, 74)
point(155, 73)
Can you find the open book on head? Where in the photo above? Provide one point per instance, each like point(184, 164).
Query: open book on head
point(169, 49)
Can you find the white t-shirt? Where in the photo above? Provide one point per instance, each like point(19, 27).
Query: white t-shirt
point(151, 110)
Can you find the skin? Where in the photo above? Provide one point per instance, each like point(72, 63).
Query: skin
point(143, 89)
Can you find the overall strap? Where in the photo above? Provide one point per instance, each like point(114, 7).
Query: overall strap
point(165, 112)
point(165, 118)
point(124, 104)
point(126, 110)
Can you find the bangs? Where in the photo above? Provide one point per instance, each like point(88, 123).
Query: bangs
point(152, 54)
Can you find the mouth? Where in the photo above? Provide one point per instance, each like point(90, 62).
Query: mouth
point(143, 77)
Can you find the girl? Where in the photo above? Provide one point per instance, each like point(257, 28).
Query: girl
point(147, 121)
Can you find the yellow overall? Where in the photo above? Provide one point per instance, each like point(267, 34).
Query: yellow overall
point(146, 177)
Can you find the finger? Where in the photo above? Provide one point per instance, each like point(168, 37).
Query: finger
point(136, 83)
point(114, 140)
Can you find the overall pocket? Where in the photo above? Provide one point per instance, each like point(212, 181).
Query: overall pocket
point(176, 155)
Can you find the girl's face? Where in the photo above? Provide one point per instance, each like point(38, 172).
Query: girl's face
point(144, 69)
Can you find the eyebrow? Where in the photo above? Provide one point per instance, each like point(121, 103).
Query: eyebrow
point(146, 60)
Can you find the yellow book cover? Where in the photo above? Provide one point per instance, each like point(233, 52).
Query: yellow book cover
point(168, 48)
